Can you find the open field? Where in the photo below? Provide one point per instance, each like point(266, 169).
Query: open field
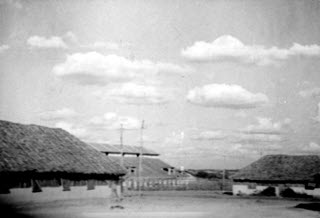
point(163, 204)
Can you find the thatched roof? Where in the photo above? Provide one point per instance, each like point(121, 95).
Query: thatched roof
point(127, 149)
point(26, 148)
point(151, 167)
point(293, 168)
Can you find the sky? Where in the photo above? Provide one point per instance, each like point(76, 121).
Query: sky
point(218, 83)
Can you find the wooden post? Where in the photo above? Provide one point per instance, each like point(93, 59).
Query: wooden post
point(224, 173)
point(140, 157)
point(35, 186)
point(121, 145)
point(65, 185)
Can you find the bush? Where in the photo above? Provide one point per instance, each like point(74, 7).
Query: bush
point(227, 193)
point(290, 193)
point(309, 206)
point(270, 191)
point(206, 175)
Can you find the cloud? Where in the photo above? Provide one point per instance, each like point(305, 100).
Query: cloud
point(257, 138)
point(227, 47)
point(254, 149)
point(61, 114)
point(71, 38)
point(226, 96)
point(210, 135)
point(132, 93)
point(264, 132)
point(43, 42)
point(314, 92)
point(240, 137)
point(93, 68)
point(3, 48)
point(102, 45)
point(68, 40)
point(317, 118)
point(71, 128)
point(312, 147)
point(113, 121)
point(173, 145)
point(266, 126)
point(63, 42)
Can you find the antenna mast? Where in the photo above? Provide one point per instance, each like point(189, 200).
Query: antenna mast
point(121, 144)
point(140, 156)
point(224, 173)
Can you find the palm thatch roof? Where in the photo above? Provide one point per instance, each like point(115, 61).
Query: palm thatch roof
point(127, 149)
point(277, 168)
point(33, 148)
point(151, 167)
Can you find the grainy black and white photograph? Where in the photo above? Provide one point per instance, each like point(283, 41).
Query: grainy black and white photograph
point(160, 108)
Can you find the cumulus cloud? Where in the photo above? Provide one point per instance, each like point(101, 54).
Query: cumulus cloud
point(61, 114)
point(173, 145)
point(227, 47)
point(258, 135)
point(314, 92)
point(255, 149)
point(257, 138)
point(43, 42)
point(71, 38)
point(98, 69)
point(132, 93)
point(80, 132)
point(210, 135)
point(114, 121)
point(312, 147)
point(227, 96)
point(266, 126)
point(264, 132)
point(3, 48)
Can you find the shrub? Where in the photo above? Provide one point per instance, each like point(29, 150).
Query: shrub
point(206, 175)
point(290, 193)
point(309, 206)
point(270, 191)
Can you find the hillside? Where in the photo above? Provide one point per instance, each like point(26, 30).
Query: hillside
point(211, 173)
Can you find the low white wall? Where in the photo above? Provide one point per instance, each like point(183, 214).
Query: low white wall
point(55, 193)
point(315, 192)
point(244, 189)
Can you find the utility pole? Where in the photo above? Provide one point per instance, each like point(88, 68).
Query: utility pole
point(224, 173)
point(121, 145)
point(140, 157)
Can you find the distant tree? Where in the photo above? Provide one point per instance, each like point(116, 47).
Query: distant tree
point(202, 174)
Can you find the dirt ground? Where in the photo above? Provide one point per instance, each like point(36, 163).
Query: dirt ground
point(163, 204)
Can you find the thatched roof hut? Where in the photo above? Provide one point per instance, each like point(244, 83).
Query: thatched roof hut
point(50, 152)
point(151, 167)
point(281, 168)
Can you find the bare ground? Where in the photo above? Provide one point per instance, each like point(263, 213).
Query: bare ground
point(165, 204)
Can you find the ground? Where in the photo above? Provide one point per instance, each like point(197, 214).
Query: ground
point(163, 204)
